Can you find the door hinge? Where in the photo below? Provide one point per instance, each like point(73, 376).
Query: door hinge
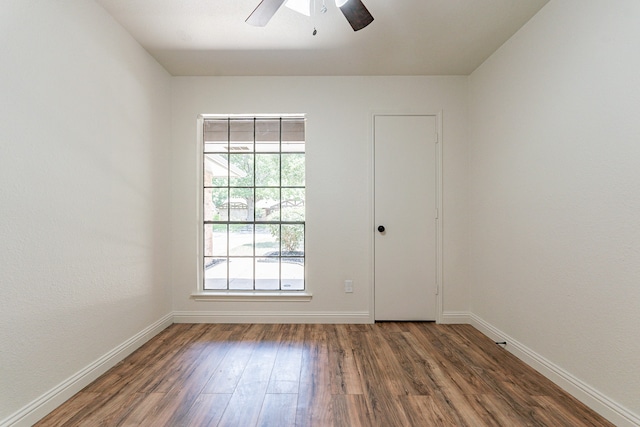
point(437, 137)
point(437, 214)
point(437, 289)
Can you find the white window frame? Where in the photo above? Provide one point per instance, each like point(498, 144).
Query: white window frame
point(231, 295)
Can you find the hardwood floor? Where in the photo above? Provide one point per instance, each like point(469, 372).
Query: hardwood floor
point(386, 374)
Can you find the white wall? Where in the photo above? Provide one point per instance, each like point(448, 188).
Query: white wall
point(339, 183)
point(85, 193)
point(95, 190)
point(555, 192)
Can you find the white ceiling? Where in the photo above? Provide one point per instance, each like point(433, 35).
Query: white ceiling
point(407, 37)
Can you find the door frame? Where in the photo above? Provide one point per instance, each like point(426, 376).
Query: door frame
point(438, 217)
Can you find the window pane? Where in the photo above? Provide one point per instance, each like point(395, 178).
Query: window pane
point(216, 170)
point(216, 133)
point(292, 274)
point(241, 273)
point(216, 130)
point(268, 273)
point(267, 170)
point(215, 206)
point(293, 203)
point(293, 170)
point(241, 135)
point(293, 135)
point(267, 206)
point(241, 170)
point(215, 273)
point(267, 238)
point(292, 239)
point(240, 204)
point(215, 240)
point(268, 135)
point(267, 131)
point(241, 240)
point(293, 130)
point(241, 129)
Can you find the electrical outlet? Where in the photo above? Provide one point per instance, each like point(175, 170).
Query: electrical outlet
point(348, 286)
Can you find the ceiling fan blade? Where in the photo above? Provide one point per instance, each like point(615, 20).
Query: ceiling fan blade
point(357, 14)
point(264, 12)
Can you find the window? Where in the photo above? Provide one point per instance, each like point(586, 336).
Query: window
point(253, 204)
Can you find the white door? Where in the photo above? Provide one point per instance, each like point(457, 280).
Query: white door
point(405, 205)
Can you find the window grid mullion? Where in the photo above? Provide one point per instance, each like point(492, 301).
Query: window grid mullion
point(280, 183)
point(253, 261)
point(228, 201)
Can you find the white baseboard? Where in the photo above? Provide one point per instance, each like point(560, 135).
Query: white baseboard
point(49, 401)
point(270, 317)
point(591, 397)
point(455, 318)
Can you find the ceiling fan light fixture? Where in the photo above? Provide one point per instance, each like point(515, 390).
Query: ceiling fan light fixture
point(341, 3)
point(300, 6)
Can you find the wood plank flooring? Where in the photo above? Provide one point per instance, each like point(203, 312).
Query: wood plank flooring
point(386, 374)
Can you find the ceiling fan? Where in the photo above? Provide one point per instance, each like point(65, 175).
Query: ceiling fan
point(354, 10)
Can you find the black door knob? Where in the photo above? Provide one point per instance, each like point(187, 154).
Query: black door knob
point(381, 228)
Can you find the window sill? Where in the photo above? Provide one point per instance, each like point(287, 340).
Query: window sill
point(251, 296)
